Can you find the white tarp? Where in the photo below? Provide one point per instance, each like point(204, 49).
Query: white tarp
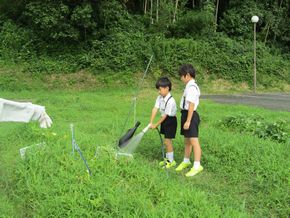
point(11, 111)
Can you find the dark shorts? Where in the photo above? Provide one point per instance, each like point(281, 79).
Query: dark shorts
point(168, 127)
point(192, 132)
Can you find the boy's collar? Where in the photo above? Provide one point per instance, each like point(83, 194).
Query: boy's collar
point(190, 82)
point(166, 97)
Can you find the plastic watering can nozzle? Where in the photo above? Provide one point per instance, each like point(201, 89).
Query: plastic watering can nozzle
point(146, 128)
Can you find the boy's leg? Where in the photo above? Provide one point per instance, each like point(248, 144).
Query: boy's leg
point(186, 160)
point(169, 162)
point(169, 149)
point(196, 148)
point(169, 146)
point(197, 156)
point(187, 148)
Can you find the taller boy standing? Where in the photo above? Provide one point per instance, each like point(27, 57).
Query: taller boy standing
point(190, 120)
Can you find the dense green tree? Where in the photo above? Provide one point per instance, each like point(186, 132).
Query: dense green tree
point(79, 20)
point(273, 25)
point(119, 35)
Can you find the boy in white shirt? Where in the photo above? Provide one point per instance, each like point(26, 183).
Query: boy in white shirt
point(190, 120)
point(167, 107)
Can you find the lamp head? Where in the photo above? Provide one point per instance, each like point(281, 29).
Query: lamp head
point(255, 19)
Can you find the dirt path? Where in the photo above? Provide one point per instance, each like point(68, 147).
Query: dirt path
point(275, 101)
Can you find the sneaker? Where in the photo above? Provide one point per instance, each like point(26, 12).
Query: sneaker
point(162, 163)
point(169, 164)
point(182, 166)
point(193, 171)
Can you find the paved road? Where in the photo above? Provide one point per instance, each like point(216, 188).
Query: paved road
point(277, 101)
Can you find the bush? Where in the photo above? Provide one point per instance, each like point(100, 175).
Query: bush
point(217, 56)
point(50, 21)
point(255, 125)
point(221, 57)
point(15, 42)
point(121, 52)
point(193, 24)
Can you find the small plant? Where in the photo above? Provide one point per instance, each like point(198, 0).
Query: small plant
point(256, 125)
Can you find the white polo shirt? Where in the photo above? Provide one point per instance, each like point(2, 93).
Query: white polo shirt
point(166, 105)
point(191, 94)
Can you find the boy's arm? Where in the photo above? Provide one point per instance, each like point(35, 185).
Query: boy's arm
point(189, 115)
point(159, 122)
point(153, 114)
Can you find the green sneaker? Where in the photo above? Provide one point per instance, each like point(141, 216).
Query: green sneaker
point(182, 166)
point(162, 163)
point(193, 171)
point(169, 164)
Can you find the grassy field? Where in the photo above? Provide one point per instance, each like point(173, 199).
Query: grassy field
point(244, 176)
point(13, 77)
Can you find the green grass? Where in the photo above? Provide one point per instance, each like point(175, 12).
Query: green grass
point(244, 176)
point(14, 77)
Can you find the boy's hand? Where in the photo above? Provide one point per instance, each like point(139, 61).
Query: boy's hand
point(186, 125)
point(153, 126)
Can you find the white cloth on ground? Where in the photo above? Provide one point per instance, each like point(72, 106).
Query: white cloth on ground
point(11, 111)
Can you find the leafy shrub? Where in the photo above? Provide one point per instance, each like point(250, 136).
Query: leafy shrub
point(121, 52)
point(51, 65)
point(15, 42)
point(194, 24)
point(47, 20)
point(255, 124)
point(82, 17)
point(221, 57)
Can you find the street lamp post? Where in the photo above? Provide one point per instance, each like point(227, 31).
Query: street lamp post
point(255, 20)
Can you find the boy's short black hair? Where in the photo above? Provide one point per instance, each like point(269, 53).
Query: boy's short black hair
point(186, 68)
point(163, 82)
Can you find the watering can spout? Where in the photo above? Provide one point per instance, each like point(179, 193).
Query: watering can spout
point(129, 134)
point(137, 124)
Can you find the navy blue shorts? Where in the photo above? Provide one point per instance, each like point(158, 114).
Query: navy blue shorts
point(168, 127)
point(192, 132)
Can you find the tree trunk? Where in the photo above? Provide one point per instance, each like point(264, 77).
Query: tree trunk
point(175, 11)
point(151, 11)
point(157, 12)
point(267, 32)
point(216, 14)
point(193, 4)
point(145, 6)
point(281, 4)
point(275, 34)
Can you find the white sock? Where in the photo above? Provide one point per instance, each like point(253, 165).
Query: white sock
point(196, 164)
point(186, 160)
point(169, 156)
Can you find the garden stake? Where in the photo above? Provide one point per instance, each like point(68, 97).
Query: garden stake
point(77, 148)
